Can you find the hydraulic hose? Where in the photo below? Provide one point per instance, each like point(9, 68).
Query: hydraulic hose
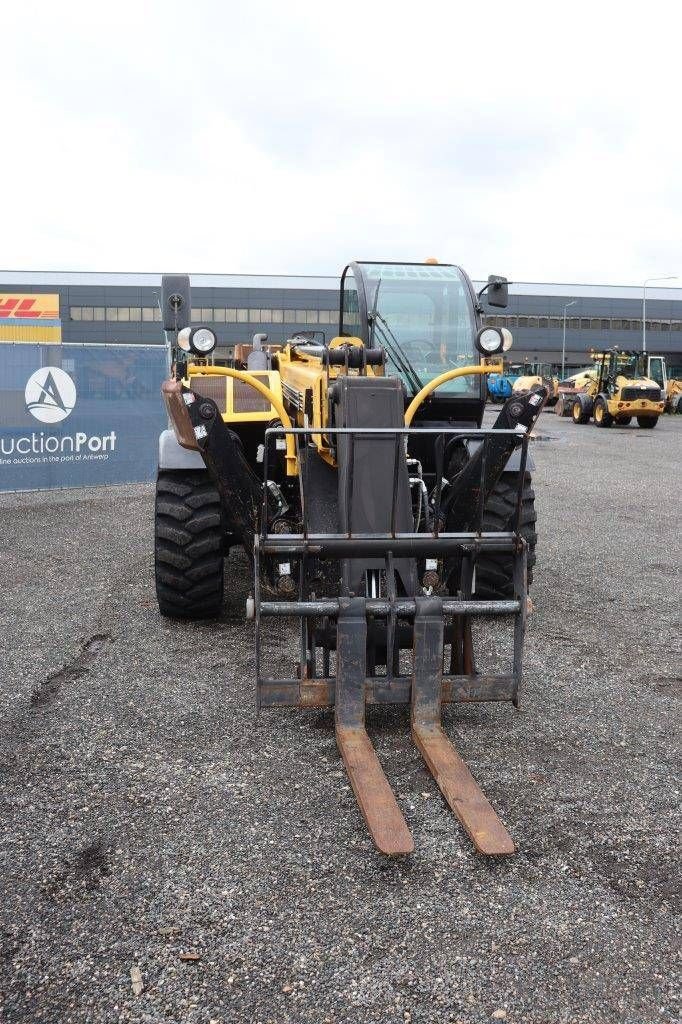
point(443, 378)
point(275, 402)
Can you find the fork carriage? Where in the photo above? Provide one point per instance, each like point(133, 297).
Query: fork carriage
point(350, 645)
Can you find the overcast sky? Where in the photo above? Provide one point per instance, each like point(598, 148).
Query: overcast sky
point(541, 141)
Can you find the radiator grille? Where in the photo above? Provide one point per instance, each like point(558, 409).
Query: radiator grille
point(211, 387)
point(247, 399)
point(635, 394)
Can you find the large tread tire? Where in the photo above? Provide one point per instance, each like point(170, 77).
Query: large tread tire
point(188, 548)
point(647, 422)
point(578, 414)
point(494, 572)
point(601, 415)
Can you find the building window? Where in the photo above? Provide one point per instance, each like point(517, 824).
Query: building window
point(556, 321)
point(300, 316)
point(206, 314)
point(312, 316)
point(75, 312)
point(665, 325)
point(523, 321)
point(98, 312)
point(147, 314)
point(135, 313)
point(532, 321)
point(86, 313)
point(254, 316)
point(123, 314)
point(266, 316)
point(230, 316)
point(574, 323)
point(289, 316)
point(242, 316)
point(605, 324)
point(276, 316)
point(112, 313)
point(219, 316)
point(616, 325)
point(585, 323)
point(543, 321)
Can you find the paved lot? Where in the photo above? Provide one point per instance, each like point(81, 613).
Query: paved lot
point(148, 814)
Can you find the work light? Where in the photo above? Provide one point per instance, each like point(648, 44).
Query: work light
point(492, 340)
point(200, 340)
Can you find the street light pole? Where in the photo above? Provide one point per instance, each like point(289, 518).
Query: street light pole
point(563, 344)
point(668, 277)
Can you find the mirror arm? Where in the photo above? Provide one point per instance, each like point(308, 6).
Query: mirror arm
point(485, 289)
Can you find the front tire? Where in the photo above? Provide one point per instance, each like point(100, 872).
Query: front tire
point(579, 412)
point(494, 571)
point(647, 422)
point(188, 549)
point(602, 416)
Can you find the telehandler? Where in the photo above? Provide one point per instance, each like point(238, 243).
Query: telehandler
point(618, 390)
point(375, 510)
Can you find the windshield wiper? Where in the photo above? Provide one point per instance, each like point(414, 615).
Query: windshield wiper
point(393, 347)
point(402, 362)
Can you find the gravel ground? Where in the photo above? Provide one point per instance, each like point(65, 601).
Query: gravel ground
point(153, 824)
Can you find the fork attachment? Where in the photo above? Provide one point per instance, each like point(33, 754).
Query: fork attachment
point(379, 808)
point(454, 779)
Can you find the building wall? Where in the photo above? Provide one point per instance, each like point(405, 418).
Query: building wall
point(123, 308)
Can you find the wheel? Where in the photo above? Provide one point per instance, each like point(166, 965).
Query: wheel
point(494, 571)
point(602, 416)
point(623, 421)
point(560, 407)
point(188, 545)
point(647, 422)
point(578, 413)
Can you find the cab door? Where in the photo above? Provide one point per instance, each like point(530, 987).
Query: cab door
point(656, 370)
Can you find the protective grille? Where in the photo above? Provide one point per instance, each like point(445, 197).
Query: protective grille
point(247, 399)
point(211, 387)
point(633, 394)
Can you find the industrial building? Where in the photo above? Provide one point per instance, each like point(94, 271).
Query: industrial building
point(120, 308)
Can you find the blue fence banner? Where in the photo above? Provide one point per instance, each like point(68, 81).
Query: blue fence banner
point(79, 415)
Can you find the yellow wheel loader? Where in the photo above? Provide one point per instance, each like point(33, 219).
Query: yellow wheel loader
point(619, 391)
point(375, 511)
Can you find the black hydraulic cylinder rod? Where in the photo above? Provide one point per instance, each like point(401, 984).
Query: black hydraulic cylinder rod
point(241, 491)
point(469, 491)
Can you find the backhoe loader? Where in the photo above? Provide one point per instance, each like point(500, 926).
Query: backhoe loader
point(618, 390)
point(376, 512)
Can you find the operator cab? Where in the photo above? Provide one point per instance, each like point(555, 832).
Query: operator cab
point(425, 316)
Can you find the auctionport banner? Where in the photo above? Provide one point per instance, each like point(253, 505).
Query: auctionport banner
point(82, 415)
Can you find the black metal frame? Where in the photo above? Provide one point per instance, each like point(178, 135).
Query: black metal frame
point(462, 682)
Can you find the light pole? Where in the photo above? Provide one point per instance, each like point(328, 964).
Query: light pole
point(668, 277)
point(563, 344)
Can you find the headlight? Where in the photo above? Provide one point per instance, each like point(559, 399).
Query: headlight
point(200, 340)
point(492, 340)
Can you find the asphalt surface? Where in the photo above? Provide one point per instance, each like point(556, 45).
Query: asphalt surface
point(148, 816)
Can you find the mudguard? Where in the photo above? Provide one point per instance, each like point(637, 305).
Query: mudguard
point(173, 456)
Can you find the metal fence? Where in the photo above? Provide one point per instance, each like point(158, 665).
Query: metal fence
point(79, 415)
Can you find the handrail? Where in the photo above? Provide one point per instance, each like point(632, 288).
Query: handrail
point(443, 378)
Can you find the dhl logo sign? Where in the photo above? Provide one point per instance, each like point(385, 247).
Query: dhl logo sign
point(29, 307)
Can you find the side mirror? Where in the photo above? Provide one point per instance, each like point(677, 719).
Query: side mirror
point(498, 291)
point(176, 302)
